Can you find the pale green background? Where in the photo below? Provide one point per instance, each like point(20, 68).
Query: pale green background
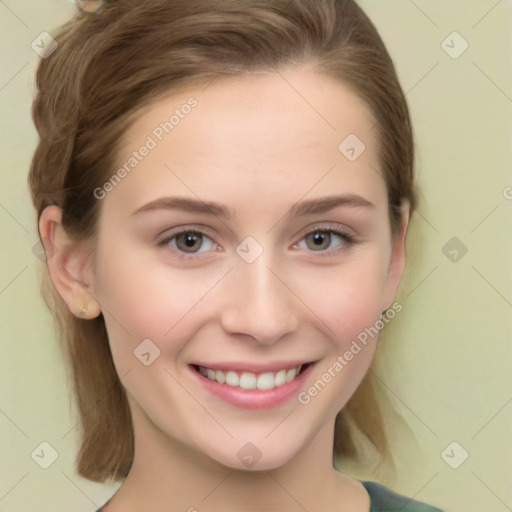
point(450, 370)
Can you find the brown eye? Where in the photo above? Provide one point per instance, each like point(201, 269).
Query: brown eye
point(326, 241)
point(318, 240)
point(189, 241)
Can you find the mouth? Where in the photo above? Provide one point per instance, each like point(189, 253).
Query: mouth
point(264, 388)
point(247, 380)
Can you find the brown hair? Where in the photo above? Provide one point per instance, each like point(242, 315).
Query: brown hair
point(106, 68)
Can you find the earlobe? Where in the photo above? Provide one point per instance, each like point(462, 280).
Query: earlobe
point(69, 265)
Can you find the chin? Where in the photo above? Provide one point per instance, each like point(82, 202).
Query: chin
point(254, 457)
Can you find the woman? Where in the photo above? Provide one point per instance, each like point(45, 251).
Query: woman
point(223, 192)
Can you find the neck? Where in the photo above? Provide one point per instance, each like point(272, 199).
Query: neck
point(169, 475)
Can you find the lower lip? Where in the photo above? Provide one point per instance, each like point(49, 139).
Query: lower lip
point(255, 398)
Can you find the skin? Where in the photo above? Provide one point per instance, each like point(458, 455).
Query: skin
point(257, 145)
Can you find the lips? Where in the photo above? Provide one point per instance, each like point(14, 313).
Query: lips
point(250, 396)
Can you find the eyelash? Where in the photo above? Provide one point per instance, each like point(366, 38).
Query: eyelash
point(348, 239)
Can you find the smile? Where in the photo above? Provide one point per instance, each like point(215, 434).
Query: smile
point(252, 386)
point(252, 381)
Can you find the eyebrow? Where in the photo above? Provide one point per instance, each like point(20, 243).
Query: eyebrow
point(299, 209)
point(325, 204)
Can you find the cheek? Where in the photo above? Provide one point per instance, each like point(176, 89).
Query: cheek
point(348, 298)
point(144, 300)
point(349, 301)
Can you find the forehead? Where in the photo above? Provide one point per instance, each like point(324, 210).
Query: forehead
point(276, 133)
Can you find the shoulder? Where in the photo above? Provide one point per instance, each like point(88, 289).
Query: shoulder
point(383, 499)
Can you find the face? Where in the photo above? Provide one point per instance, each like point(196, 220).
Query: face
point(243, 239)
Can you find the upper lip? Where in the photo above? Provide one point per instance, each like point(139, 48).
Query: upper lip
point(252, 367)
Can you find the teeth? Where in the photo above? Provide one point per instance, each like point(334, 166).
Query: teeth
point(220, 377)
point(249, 380)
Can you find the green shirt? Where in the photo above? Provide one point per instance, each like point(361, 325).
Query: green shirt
point(383, 499)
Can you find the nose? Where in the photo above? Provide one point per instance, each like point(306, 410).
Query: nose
point(259, 302)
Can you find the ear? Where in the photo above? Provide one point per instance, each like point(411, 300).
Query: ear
point(397, 261)
point(69, 265)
